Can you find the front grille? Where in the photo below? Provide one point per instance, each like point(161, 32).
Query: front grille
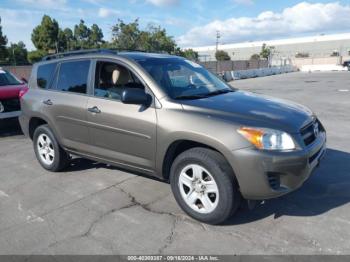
point(10, 105)
point(310, 132)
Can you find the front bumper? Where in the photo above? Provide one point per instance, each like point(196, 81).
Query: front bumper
point(266, 174)
point(10, 114)
point(10, 108)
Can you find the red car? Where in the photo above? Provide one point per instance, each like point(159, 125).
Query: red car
point(11, 90)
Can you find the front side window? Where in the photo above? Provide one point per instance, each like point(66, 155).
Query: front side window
point(73, 76)
point(111, 79)
point(183, 79)
point(45, 74)
point(7, 79)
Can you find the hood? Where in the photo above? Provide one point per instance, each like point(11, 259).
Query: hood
point(247, 108)
point(10, 91)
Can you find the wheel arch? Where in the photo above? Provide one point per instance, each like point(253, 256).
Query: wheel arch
point(38, 120)
point(34, 123)
point(178, 146)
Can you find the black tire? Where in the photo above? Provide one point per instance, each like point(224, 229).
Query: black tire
point(229, 195)
point(61, 158)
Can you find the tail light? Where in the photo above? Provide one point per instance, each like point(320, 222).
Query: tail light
point(22, 92)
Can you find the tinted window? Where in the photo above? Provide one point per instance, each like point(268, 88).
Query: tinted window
point(45, 73)
point(111, 79)
point(73, 76)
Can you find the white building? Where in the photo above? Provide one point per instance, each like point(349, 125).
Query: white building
point(320, 46)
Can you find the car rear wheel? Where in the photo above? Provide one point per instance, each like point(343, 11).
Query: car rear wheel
point(204, 185)
point(47, 150)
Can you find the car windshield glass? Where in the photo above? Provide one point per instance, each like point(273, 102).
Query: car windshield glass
point(7, 78)
point(183, 79)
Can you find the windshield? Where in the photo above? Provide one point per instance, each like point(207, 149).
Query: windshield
point(183, 79)
point(7, 78)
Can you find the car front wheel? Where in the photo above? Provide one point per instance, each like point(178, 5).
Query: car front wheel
point(204, 185)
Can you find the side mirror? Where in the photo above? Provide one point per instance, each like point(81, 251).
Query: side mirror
point(24, 80)
point(136, 96)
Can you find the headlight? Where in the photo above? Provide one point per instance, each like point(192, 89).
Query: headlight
point(267, 139)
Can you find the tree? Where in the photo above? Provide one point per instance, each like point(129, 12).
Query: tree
point(221, 55)
point(157, 40)
point(127, 36)
point(187, 53)
point(35, 56)
point(68, 36)
point(266, 51)
point(255, 57)
point(45, 36)
point(82, 35)
point(62, 41)
point(96, 36)
point(3, 43)
point(18, 54)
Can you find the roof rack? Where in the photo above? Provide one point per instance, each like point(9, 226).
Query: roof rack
point(79, 52)
point(91, 51)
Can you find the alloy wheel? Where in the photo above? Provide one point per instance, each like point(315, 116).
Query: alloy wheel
point(198, 188)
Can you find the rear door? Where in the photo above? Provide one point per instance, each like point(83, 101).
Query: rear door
point(66, 104)
point(122, 133)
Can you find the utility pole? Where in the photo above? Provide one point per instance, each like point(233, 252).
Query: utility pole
point(13, 54)
point(217, 48)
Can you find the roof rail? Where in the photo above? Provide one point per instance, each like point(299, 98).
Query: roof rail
point(78, 52)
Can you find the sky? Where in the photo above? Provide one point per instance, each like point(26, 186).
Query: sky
point(191, 22)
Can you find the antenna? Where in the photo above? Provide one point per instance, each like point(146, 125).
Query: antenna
point(217, 39)
point(217, 47)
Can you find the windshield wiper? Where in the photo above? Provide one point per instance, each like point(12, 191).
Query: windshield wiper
point(191, 96)
point(218, 92)
point(199, 96)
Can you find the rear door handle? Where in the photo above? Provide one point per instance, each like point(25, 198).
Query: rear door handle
point(94, 109)
point(48, 102)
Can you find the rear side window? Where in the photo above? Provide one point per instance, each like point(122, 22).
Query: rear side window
point(73, 76)
point(45, 74)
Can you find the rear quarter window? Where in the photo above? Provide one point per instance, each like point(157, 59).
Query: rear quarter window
point(45, 75)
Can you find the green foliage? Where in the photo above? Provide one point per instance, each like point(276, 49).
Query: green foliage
point(96, 36)
point(157, 40)
point(187, 53)
point(266, 51)
point(48, 38)
point(255, 57)
point(68, 40)
point(17, 54)
point(82, 35)
point(129, 36)
point(3, 43)
point(221, 55)
point(35, 56)
point(45, 35)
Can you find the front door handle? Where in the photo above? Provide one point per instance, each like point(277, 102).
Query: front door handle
point(48, 102)
point(94, 110)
